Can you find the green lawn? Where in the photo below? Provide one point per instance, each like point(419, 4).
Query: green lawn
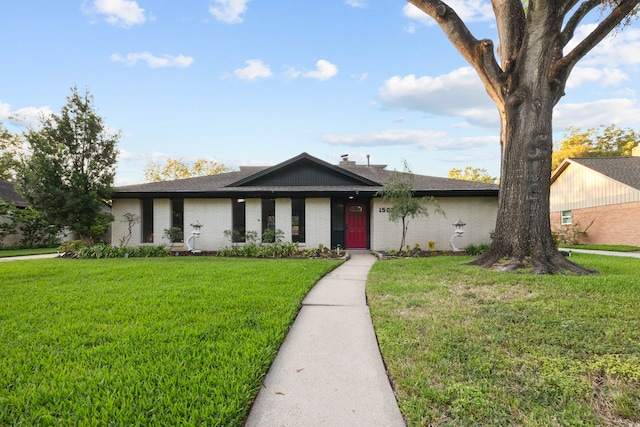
point(22, 252)
point(467, 346)
point(171, 341)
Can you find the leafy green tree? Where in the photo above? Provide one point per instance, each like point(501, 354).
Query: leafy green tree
point(7, 221)
point(179, 169)
point(404, 205)
point(603, 141)
point(10, 145)
point(472, 174)
point(525, 73)
point(69, 173)
point(35, 230)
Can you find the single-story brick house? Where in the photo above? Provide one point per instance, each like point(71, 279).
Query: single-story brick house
point(602, 194)
point(313, 202)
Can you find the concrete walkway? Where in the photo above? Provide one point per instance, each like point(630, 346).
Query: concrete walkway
point(329, 371)
point(20, 258)
point(609, 253)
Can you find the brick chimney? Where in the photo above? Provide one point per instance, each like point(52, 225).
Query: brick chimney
point(345, 160)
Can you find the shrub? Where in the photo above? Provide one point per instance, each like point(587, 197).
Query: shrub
point(476, 249)
point(173, 234)
point(149, 251)
point(570, 234)
point(72, 246)
point(273, 236)
point(102, 250)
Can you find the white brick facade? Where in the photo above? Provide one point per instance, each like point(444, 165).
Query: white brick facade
point(283, 217)
point(119, 227)
point(318, 222)
point(161, 222)
point(479, 214)
point(214, 215)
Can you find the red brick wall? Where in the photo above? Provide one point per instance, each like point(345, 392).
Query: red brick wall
point(613, 225)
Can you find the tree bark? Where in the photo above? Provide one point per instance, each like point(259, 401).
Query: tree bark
point(522, 237)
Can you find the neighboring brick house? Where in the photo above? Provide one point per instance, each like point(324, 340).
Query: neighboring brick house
point(602, 194)
point(9, 195)
point(311, 201)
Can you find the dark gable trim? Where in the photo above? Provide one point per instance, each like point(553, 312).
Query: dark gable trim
point(304, 170)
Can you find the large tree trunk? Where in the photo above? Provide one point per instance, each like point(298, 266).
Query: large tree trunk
point(523, 232)
point(523, 236)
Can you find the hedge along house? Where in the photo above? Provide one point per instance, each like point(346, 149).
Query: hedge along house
point(599, 195)
point(313, 203)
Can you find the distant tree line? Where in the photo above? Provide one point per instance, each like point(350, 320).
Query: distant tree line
point(601, 141)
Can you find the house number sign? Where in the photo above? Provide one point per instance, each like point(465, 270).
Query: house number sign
point(384, 209)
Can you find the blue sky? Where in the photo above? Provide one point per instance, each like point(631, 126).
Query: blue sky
point(255, 82)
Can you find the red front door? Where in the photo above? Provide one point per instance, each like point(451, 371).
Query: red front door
point(356, 225)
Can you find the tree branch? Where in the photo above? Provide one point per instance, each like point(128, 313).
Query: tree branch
point(479, 53)
point(511, 21)
point(578, 16)
point(563, 67)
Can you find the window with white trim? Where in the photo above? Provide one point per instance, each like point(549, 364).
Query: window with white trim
point(566, 218)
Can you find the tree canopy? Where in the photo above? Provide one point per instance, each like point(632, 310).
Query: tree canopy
point(69, 171)
point(603, 141)
point(179, 169)
point(10, 146)
point(525, 74)
point(472, 174)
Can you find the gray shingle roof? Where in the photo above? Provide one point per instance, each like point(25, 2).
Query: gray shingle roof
point(8, 194)
point(622, 169)
point(372, 178)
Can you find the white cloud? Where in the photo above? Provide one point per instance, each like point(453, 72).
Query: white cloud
point(616, 50)
point(620, 111)
point(324, 71)
point(384, 138)
point(412, 12)
point(468, 10)
point(410, 28)
point(459, 93)
point(27, 116)
point(123, 13)
point(292, 73)
point(153, 61)
point(255, 69)
point(229, 11)
point(423, 139)
point(359, 4)
point(606, 76)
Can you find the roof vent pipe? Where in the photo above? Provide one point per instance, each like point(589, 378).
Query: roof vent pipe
point(368, 157)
